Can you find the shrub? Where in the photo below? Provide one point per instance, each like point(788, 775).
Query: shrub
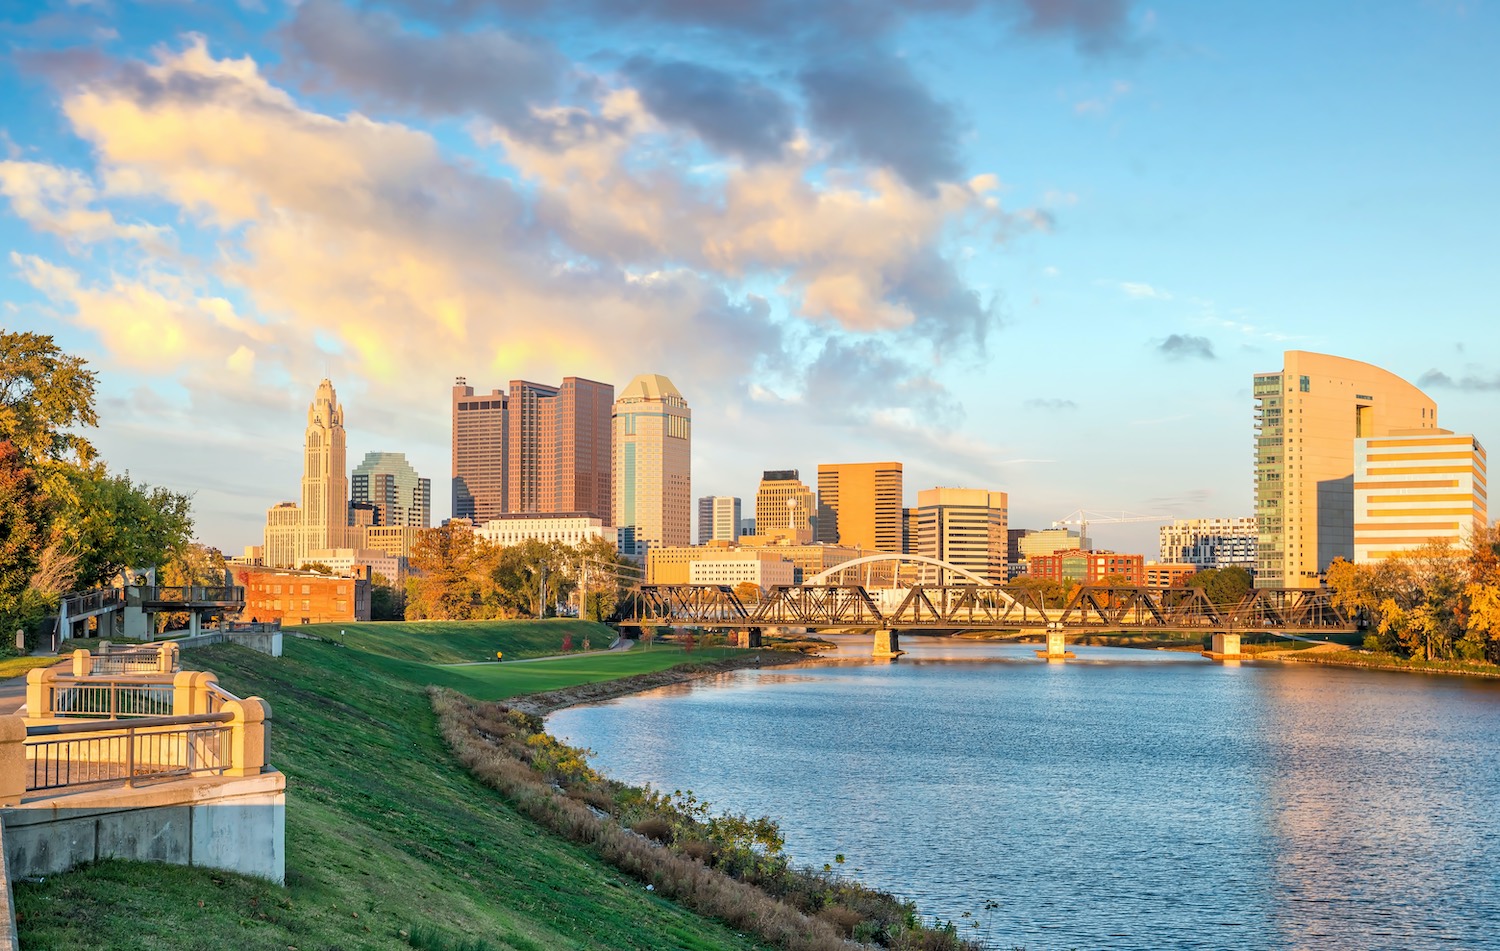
point(654, 828)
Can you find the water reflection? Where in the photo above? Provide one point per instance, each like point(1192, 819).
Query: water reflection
point(1123, 799)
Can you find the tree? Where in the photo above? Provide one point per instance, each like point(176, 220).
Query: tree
point(192, 564)
point(112, 523)
point(43, 394)
point(444, 585)
point(23, 537)
point(1223, 586)
point(385, 599)
point(748, 592)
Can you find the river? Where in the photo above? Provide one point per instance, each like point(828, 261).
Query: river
point(1126, 799)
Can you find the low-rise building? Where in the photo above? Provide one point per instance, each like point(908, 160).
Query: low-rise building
point(1210, 542)
point(364, 562)
point(1088, 567)
point(301, 597)
point(393, 539)
point(674, 565)
point(1169, 575)
point(570, 528)
point(766, 571)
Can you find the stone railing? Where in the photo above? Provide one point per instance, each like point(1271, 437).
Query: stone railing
point(86, 730)
point(162, 658)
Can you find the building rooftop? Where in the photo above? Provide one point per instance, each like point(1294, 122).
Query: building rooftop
point(649, 386)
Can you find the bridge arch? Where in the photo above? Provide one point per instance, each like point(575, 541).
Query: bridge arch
point(827, 573)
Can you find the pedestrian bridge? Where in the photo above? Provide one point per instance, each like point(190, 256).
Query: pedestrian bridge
point(128, 610)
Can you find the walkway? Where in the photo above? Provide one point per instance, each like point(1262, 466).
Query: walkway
point(622, 644)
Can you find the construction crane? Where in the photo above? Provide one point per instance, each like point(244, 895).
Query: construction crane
point(1081, 518)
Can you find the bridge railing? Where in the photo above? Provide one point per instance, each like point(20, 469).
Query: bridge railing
point(186, 595)
point(80, 603)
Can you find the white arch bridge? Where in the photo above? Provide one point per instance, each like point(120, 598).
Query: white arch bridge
point(979, 606)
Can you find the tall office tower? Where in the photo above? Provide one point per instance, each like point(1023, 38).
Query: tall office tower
point(965, 528)
point(859, 505)
point(910, 531)
point(389, 483)
point(784, 506)
point(480, 476)
point(1413, 489)
point(653, 466)
point(1307, 418)
point(718, 519)
point(325, 475)
point(1209, 542)
point(321, 520)
point(559, 447)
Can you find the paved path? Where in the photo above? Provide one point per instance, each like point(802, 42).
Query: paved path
point(623, 644)
point(13, 691)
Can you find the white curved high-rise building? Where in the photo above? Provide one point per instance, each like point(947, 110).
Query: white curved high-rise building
point(652, 466)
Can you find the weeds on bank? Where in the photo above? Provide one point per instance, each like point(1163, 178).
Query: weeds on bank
point(731, 867)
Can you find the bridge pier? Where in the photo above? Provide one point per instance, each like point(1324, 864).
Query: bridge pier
point(887, 644)
point(749, 637)
point(1057, 647)
point(1226, 645)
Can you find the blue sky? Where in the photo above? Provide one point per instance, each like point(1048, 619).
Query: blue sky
point(1037, 246)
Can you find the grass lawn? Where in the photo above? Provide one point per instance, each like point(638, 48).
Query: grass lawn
point(21, 666)
point(389, 843)
point(454, 642)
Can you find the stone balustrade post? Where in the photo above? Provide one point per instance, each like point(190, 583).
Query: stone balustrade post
point(83, 663)
point(39, 684)
point(12, 760)
point(167, 658)
point(247, 735)
point(104, 647)
point(190, 692)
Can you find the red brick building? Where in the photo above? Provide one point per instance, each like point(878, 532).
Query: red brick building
point(301, 597)
point(1088, 567)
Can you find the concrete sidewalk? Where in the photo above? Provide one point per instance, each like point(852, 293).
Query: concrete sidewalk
point(623, 644)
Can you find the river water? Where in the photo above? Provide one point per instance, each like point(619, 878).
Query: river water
point(1126, 799)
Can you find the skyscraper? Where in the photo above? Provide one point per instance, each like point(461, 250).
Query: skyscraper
point(1307, 418)
point(859, 505)
point(718, 518)
point(321, 520)
point(965, 528)
point(479, 457)
point(389, 483)
point(1210, 542)
point(784, 505)
point(652, 466)
point(559, 447)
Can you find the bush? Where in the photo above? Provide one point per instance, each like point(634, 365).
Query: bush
point(654, 828)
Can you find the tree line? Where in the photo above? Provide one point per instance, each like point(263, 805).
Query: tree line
point(458, 575)
point(66, 522)
point(1439, 602)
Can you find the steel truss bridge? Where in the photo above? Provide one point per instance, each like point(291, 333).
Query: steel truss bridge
point(971, 607)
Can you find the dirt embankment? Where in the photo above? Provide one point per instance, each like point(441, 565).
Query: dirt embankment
point(541, 704)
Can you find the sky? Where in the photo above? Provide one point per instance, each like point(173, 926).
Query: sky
point(1036, 246)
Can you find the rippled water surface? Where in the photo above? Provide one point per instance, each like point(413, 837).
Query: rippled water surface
point(1128, 799)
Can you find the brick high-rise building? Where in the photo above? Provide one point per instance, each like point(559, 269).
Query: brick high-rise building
point(536, 449)
point(859, 505)
point(479, 457)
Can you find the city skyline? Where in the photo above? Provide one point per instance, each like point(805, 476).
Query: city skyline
point(1102, 242)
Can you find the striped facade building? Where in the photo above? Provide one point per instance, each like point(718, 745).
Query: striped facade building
point(1413, 489)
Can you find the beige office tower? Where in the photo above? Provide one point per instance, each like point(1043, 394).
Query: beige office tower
point(784, 506)
point(1307, 418)
point(965, 528)
point(859, 505)
point(652, 430)
point(322, 519)
point(480, 472)
point(1410, 490)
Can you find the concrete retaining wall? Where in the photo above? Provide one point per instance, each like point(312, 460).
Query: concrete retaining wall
point(237, 824)
point(267, 642)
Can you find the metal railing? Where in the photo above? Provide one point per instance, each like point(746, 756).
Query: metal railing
point(215, 697)
point(85, 754)
point(83, 603)
point(112, 699)
point(129, 660)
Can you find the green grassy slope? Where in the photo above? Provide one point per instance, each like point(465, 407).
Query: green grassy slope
point(454, 642)
point(385, 834)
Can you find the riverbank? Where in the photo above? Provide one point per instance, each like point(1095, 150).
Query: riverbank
point(541, 704)
point(391, 843)
point(1373, 661)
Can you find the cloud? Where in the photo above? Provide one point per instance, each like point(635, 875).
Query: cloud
point(485, 71)
point(909, 130)
point(1439, 380)
point(62, 201)
point(1101, 104)
point(1185, 347)
point(731, 113)
point(1140, 291)
point(1051, 404)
